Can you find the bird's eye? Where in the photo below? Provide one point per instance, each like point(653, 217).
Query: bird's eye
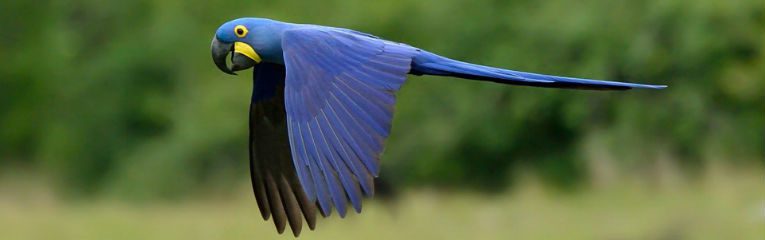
point(240, 31)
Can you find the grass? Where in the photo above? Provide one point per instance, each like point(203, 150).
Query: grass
point(722, 205)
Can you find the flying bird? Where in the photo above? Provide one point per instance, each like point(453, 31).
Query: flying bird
point(322, 105)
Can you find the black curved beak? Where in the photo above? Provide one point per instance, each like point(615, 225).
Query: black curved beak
point(242, 56)
point(220, 51)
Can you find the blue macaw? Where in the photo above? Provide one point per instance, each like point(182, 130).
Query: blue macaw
point(322, 106)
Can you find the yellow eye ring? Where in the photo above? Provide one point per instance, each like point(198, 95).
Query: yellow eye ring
point(240, 31)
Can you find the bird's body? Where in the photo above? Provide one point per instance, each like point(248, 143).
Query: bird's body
point(322, 106)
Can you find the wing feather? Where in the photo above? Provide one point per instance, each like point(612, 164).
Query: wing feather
point(340, 95)
point(277, 188)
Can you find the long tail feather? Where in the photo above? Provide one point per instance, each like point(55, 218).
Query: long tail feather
point(431, 64)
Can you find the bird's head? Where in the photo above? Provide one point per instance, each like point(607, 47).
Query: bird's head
point(238, 38)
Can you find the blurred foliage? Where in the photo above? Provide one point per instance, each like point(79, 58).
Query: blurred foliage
point(122, 97)
point(724, 204)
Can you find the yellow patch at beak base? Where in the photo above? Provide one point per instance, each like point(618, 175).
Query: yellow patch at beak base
point(246, 49)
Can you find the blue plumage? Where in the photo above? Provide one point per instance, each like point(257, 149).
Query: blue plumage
point(432, 64)
point(334, 91)
point(347, 84)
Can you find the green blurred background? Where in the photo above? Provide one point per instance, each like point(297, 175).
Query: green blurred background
point(115, 124)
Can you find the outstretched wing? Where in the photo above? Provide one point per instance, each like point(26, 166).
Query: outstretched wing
point(339, 94)
point(274, 181)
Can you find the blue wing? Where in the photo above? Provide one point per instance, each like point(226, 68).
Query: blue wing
point(339, 96)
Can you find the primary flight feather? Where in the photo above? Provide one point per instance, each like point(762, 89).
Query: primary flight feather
point(322, 106)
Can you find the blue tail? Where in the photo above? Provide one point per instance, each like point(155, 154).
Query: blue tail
point(427, 63)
